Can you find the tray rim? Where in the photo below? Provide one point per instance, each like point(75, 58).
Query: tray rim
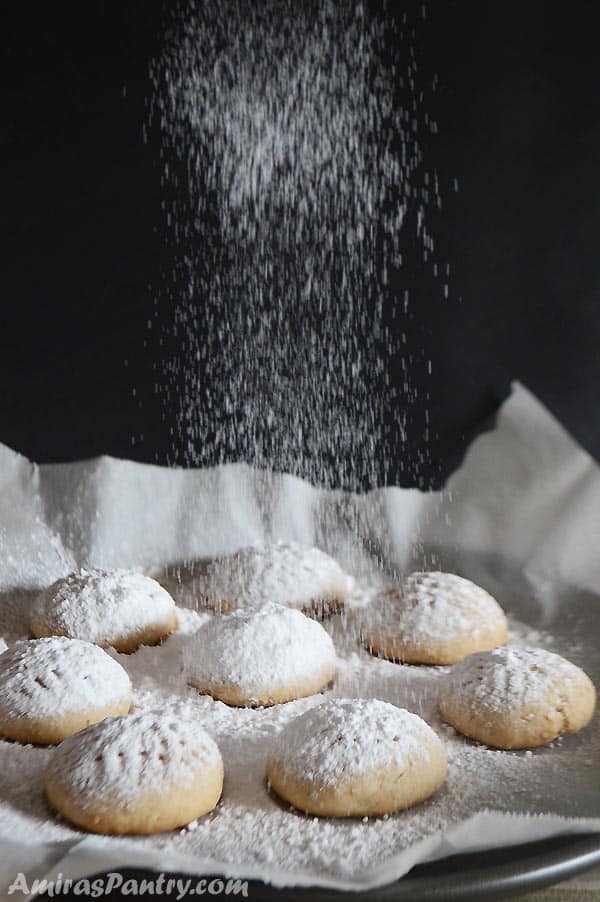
point(528, 867)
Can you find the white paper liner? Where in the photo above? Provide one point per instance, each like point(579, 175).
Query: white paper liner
point(521, 516)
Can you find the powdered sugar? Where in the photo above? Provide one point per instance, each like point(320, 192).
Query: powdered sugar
point(434, 606)
point(510, 679)
point(259, 652)
point(346, 738)
point(49, 678)
point(285, 573)
point(251, 831)
point(102, 605)
point(295, 190)
point(122, 757)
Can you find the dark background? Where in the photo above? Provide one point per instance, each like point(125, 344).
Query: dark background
point(519, 127)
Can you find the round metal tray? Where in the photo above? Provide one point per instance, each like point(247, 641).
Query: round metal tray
point(493, 874)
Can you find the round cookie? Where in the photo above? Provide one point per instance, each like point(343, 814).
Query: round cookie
point(515, 698)
point(283, 573)
point(117, 608)
point(433, 618)
point(356, 758)
point(51, 688)
point(141, 773)
point(262, 657)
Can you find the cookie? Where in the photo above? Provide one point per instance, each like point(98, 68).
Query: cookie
point(288, 574)
point(517, 698)
point(117, 608)
point(51, 688)
point(263, 657)
point(356, 758)
point(141, 773)
point(433, 618)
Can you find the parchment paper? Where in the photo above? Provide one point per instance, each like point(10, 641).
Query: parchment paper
point(521, 516)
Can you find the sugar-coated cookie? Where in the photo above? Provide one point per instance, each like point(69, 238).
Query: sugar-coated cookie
point(356, 758)
point(283, 573)
point(118, 608)
point(51, 688)
point(141, 773)
point(260, 657)
point(433, 618)
point(514, 698)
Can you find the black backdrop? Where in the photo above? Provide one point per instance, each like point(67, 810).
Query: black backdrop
point(519, 126)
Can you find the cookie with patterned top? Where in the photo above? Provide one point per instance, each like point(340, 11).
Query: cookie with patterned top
point(258, 658)
point(433, 618)
point(118, 608)
point(284, 573)
point(516, 698)
point(356, 758)
point(141, 773)
point(51, 688)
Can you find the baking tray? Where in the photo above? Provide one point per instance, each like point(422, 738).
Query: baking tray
point(493, 874)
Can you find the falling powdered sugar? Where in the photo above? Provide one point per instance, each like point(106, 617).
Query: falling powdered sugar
point(283, 573)
point(295, 188)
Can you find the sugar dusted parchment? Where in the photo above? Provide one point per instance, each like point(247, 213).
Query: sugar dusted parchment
point(521, 516)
